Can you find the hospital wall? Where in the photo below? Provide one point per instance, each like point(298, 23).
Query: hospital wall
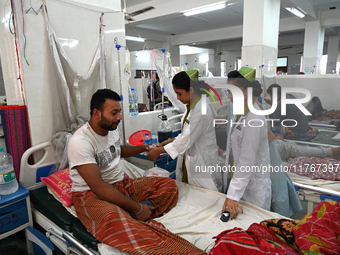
point(230, 58)
point(150, 120)
point(141, 60)
point(146, 120)
point(2, 98)
point(140, 85)
point(2, 86)
point(294, 64)
point(326, 87)
point(194, 62)
point(76, 21)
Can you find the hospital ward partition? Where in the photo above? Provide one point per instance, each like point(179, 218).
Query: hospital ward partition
point(196, 217)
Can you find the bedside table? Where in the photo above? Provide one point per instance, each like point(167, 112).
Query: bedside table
point(15, 214)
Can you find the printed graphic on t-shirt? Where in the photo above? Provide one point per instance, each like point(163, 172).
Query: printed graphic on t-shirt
point(112, 149)
point(104, 157)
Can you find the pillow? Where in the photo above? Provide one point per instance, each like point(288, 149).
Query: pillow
point(61, 184)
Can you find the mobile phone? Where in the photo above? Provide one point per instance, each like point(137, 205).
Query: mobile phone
point(225, 216)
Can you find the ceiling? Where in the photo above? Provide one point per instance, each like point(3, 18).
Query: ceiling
point(166, 21)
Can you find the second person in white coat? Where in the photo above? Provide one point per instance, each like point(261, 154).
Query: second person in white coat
point(247, 153)
point(196, 146)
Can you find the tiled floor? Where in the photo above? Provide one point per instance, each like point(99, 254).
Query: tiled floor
point(302, 213)
point(14, 244)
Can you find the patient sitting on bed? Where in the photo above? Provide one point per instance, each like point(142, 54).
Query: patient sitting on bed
point(106, 202)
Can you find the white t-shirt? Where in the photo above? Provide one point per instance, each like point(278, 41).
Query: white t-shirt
point(87, 147)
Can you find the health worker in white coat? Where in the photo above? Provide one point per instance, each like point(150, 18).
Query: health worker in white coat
point(247, 153)
point(196, 146)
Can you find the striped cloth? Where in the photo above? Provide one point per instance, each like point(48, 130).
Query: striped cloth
point(237, 241)
point(16, 131)
point(115, 227)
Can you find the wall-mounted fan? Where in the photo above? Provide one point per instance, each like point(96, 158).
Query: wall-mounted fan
point(219, 53)
point(286, 48)
point(128, 16)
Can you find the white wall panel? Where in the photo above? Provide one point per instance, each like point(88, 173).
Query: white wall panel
point(79, 26)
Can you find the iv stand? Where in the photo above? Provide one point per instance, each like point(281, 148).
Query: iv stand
point(118, 46)
point(162, 81)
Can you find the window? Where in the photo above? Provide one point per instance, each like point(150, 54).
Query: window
point(222, 68)
point(323, 64)
point(282, 62)
point(238, 64)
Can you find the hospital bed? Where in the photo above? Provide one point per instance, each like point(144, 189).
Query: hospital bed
point(196, 217)
point(323, 138)
point(326, 125)
point(315, 191)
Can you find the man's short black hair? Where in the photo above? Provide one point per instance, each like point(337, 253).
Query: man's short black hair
point(270, 89)
point(99, 98)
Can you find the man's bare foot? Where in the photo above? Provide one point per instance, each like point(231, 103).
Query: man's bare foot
point(336, 152)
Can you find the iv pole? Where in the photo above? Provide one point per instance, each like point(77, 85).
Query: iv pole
point(118, 46)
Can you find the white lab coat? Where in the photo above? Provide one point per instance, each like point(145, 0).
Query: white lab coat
point(197, 143)
point(249, 147)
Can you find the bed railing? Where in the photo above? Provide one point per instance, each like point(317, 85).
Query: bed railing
point(30, 174)
point(30, 178)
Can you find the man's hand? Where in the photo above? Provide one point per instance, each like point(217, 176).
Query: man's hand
point(130, 151)
point(221, 152)
point(146, 212)
point(279, 136)
point(167, 141)
point(154, 153)
point(232, 207)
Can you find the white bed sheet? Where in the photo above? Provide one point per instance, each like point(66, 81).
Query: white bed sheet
point(331, 185)
point(196, 217)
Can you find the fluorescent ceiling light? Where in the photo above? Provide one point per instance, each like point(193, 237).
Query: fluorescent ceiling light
point(137, 39)
point(206, 8)
point(114, 31)
point(203, 58)
point(295, 12)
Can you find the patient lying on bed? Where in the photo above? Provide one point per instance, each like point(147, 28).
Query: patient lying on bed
point(288, 149)
point(295, 120)
point(111, 207)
